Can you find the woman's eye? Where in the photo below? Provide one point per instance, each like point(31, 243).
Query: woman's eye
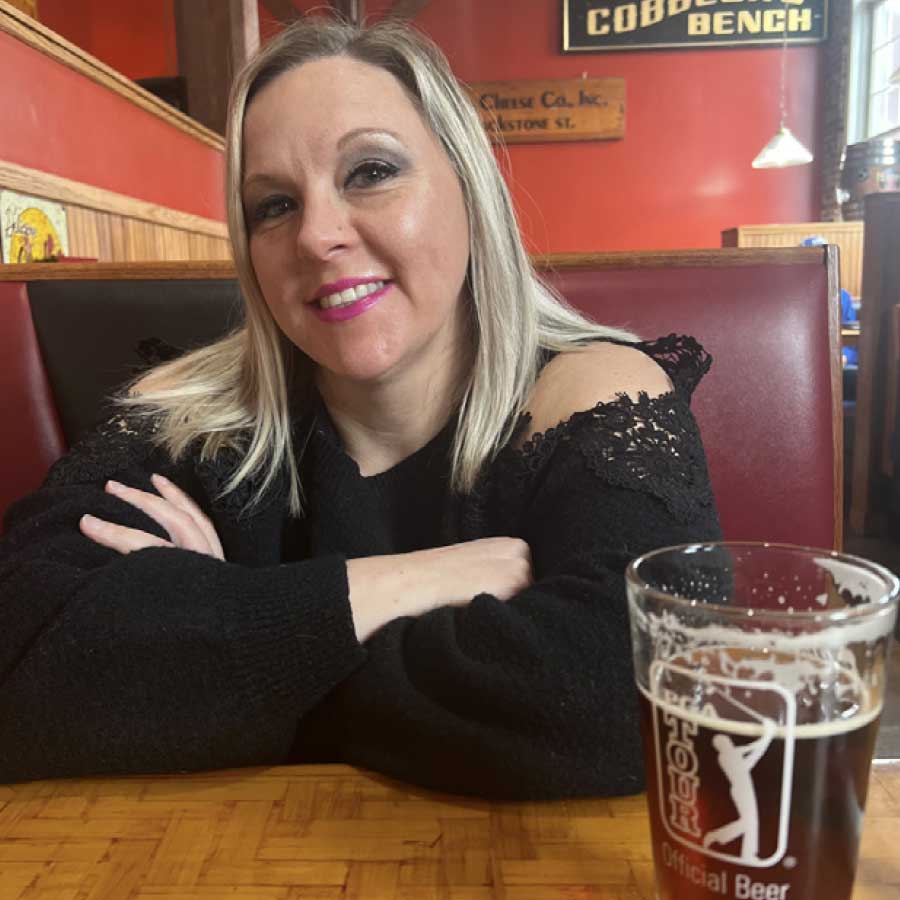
point(271, 208)
point(370, 172)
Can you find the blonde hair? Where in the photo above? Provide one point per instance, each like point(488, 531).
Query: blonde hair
point(242, 391)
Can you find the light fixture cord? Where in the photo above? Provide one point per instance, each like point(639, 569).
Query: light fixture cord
point(783, 81)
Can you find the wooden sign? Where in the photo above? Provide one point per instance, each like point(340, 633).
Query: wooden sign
point(572, 109)
point(595, 25)
point(26, 6)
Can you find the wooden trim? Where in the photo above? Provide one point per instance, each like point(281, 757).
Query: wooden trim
point(174, 270)
point(653, 259)
point(42, 39)
point(832, 265)
point(644, 259)
point(810, 227)
point(76, 193)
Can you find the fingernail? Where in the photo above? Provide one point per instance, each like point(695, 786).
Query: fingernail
point(157, 477)
point(113, 486)
point(89, 521)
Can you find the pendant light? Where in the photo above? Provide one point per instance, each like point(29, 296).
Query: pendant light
point(784, 149)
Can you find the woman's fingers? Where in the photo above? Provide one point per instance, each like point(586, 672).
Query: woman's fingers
point(118, 537)
point(178, 524)
point(178, 498)
point(183, 529)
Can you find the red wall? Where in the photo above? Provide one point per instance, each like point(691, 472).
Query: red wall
point(61, 122)
point(136, 39)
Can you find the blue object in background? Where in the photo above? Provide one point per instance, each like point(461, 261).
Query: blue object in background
point(848, 310)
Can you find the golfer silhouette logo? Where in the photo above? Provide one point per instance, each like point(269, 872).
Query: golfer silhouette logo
point(711, 732)
point(737, 763)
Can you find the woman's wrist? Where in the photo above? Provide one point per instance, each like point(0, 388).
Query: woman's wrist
point(380, 590)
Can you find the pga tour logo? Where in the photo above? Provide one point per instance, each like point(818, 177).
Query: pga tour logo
point(719, 749)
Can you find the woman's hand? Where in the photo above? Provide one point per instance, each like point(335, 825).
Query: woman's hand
point(187, 526)
point(383, 588)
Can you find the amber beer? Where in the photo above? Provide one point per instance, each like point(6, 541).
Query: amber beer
point(761, 675)
point(828, 794)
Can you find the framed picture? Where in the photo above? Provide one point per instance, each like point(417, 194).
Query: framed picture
point(32, 229)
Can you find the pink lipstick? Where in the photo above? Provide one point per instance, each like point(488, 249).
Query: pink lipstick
point(349, 308)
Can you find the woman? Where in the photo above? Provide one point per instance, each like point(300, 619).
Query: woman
point(384, 523)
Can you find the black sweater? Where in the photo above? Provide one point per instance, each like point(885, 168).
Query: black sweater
point(166, 660)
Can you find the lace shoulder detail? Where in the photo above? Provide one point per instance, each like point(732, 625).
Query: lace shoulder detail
point(682, 358)
point(651, 445)
point(121, 441)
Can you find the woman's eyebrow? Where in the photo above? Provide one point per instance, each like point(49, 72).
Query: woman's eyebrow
point(260, 178)
point(367, 132)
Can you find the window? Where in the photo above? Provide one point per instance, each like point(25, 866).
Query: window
point(874, 107)
point(884, 69)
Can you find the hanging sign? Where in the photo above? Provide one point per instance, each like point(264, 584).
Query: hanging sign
point(571, 109)
point(597, 25)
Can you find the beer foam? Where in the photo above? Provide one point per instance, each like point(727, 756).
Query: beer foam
point(757, 729)
point(809, 662)
point(876, 624)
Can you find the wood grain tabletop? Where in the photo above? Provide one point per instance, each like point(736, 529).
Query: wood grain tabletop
point(329, 832)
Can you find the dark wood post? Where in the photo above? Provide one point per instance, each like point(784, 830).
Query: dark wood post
point(214, 40)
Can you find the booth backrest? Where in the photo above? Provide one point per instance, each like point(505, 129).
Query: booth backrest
point(769, 410)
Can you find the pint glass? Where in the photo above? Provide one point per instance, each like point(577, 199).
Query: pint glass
point(761, 674)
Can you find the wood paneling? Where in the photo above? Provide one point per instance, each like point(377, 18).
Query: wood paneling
point(115, 228)
point(112, 238)
point(847, 236)
point(64, 190)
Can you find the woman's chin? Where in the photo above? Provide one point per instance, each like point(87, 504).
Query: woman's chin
point(356, 372)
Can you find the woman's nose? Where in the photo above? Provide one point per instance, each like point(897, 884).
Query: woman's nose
point(325, 226)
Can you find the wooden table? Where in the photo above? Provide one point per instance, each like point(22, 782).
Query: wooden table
point(327, 832)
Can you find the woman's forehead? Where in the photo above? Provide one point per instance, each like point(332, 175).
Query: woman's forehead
point(337, 93)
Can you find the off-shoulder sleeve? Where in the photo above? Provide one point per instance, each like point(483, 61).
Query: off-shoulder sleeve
point(534, 698)
point(161, 660)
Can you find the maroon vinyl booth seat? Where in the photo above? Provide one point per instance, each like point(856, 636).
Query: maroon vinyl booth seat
point(769, 411)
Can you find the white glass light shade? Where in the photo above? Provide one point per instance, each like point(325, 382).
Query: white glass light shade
point(783, 150)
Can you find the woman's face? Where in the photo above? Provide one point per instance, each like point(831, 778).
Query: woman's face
point(348, 196)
